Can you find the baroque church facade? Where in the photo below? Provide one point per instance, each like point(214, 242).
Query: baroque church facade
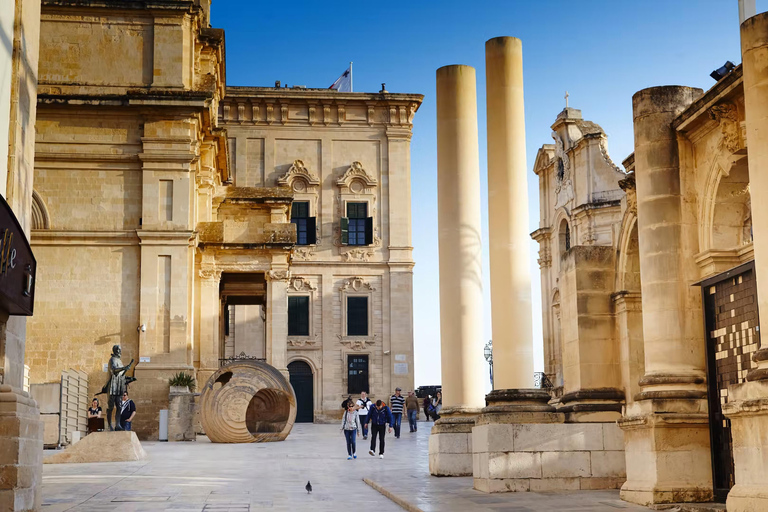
point(198, 223)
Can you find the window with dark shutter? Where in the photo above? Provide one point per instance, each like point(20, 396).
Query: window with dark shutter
point(357, 374)
point(298, 315)
point(357, 316)
point(357, 227)
point(305, 225)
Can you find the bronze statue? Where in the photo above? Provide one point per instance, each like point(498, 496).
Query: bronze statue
point(116, 385)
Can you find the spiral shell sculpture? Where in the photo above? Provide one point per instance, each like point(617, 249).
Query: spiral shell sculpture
point(247, 402)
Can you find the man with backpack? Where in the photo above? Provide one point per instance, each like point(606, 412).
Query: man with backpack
point(379, 416)
point(363, 405)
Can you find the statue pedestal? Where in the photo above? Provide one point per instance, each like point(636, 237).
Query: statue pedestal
point(101, 447)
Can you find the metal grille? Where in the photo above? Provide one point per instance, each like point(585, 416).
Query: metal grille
point(357, 374)
point(733, 335)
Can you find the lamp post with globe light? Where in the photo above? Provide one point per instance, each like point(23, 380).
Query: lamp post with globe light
point(488, 352)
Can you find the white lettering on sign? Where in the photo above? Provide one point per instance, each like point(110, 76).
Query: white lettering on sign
point(400, 357)
point(7, 253)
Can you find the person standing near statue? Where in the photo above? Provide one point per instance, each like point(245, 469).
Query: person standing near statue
point(116, 386)
point(127, 412)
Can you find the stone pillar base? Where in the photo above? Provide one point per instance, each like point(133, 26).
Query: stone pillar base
point(450, 443)
point(21, 459)
point(181, 415)
point(520, 443)
point(668, 453)
point(747, 409)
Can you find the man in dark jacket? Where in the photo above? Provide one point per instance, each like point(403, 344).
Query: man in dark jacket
point(379, 417)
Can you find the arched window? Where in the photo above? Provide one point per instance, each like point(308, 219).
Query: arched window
point(564, 236)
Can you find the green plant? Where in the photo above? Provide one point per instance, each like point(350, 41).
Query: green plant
point(183, 379)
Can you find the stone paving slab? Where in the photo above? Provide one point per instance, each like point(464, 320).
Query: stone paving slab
point(203, 477)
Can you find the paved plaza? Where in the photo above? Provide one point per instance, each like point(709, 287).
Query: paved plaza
point(201, 476)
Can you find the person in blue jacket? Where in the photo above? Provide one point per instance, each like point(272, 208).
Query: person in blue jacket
point(379, 417)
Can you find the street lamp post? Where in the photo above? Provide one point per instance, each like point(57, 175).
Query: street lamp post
point(488, 352)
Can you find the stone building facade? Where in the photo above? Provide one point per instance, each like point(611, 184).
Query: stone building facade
point(345, 157)
point(163, 203)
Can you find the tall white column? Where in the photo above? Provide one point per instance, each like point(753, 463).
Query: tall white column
point(458, 202)
point(461, 294)
point(508, 215)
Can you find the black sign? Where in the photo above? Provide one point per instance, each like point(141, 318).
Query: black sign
point(17, 266)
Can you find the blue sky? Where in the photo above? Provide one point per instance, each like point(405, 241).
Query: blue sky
point(600, 51)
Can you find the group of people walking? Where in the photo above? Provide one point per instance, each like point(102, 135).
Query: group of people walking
point(363, 414)
point(359, 414)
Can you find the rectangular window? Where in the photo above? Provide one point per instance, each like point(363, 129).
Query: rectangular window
point(357, 316)
point(357, 227)
point(305, 225)
point(298, 315)
point(357, 374)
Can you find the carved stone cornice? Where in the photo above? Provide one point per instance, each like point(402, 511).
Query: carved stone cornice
point(302, 343)
point(306, 253)
point(210, 273)
point(354, 172)
point(357, 284)
point(279, 275)
point(356, 344)
point(298, 172)
point(727, 116)
point(301, 284)
point(628, 185)
point(358, 254)
point(545, 257)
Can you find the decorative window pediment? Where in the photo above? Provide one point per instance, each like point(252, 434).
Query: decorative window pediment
point(298, 178)
point(357, 284)
point(357, 180)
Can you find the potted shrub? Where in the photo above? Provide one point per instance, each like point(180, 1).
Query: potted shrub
point(182, 383)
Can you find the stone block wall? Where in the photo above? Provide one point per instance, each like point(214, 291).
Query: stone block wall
point(546, 457)
point(21, 433)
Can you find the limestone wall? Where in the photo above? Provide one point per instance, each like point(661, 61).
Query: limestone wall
point(68, 333)
point(120, 187)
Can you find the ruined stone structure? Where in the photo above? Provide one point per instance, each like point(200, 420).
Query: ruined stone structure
point(650, 291)
point(177, 211)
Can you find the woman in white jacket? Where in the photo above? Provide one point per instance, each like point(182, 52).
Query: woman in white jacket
point(350, 425)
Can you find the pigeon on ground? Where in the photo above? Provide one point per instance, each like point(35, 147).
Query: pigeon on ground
point(308, 487)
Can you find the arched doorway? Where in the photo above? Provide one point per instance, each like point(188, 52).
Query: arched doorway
point(302, 382)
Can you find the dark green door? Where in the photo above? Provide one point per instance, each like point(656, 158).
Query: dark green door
point(301, 380)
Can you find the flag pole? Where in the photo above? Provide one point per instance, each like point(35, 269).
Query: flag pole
point(350, 77)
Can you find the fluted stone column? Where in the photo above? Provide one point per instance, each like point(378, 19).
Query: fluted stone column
point(508, 215)
point(461, 298)
point(747, 406)
point(667, 428)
